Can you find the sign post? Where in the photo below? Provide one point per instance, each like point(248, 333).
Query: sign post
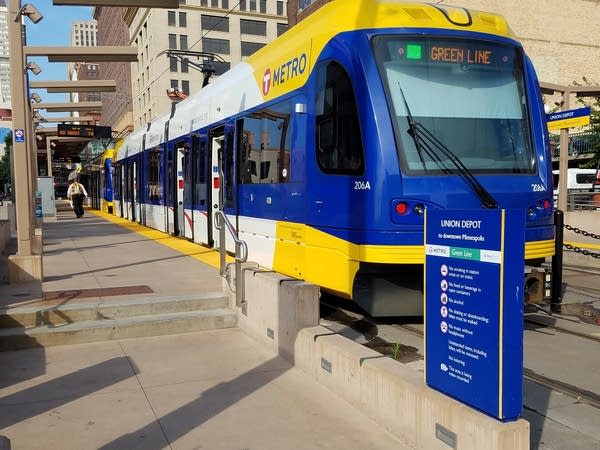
point(474, 307)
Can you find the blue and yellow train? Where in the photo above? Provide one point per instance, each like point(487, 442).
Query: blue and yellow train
point(328, 144)
point(98, 177)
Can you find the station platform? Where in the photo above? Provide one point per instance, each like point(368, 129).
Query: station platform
point(213, 389)
point(207, 378)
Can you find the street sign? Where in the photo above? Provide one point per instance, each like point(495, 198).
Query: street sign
point(568, 119)
point(474, 307)
point(19, 135)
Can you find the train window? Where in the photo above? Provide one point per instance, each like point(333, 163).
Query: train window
point(468, 95)
point(200, 175)
point(228, 163)
point(339, 141)
point(187, 171)
point(264, 143)
point(154, 182)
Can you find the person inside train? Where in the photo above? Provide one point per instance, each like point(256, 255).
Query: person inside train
point(76, 193)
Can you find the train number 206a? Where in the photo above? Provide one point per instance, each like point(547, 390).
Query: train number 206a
point(536, 187)
point(361, 185)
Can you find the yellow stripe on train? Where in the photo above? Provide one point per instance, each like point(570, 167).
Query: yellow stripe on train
point(285, 65)
point(304, 252)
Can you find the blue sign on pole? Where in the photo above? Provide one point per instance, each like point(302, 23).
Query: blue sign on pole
point(19, 135)
point(474, 307)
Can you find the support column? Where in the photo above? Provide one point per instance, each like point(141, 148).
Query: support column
point(49, 156)
point(24, 266)
point(563, 158)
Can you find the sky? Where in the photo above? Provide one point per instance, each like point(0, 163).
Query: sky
point(53, 30)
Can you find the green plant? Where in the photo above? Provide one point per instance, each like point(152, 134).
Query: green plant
point(396, 350)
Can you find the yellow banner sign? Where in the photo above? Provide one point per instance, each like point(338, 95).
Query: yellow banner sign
point(569, 123)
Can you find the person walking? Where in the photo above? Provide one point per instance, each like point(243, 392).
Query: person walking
point(76, 193)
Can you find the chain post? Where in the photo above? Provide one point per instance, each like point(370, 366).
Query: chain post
point(557, 261)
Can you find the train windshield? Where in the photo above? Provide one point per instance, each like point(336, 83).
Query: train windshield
point(468, 95)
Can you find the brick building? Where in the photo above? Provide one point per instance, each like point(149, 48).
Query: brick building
point(117, 109)
point(562, 38)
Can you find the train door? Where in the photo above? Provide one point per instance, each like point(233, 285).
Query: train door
point(133, 190)
point(137, 189)
point(201, 185)
point(183, 190)
point(223, 185)
point(129, 184)
point(171, 185)
point(217, 140)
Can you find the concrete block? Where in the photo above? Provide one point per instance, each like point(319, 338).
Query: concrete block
point(276, 308)
point(282, 314)
point(24, 268)
point(397, 397)
point(340, 363)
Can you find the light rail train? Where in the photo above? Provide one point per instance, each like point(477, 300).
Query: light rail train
point(328, 144)
point(98, 178)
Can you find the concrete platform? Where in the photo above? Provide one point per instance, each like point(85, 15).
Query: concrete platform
point(211, 390)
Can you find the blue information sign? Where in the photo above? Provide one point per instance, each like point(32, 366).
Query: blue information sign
point(474, 307)
point(19, 135)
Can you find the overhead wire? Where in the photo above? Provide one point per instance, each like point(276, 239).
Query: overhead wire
point(199, 40)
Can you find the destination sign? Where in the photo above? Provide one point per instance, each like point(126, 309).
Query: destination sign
point(434, 52)
point(84, 131)
point(75, 130)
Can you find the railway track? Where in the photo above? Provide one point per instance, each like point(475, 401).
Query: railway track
point(363, 322)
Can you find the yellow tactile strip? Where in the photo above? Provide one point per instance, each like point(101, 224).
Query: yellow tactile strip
point(206, 255)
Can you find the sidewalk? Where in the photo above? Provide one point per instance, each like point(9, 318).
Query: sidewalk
point(209, 390)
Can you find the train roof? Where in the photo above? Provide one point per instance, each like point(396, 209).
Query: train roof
point(252, 81)
point(132, 144)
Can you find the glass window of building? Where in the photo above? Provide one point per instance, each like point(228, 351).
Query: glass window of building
point(185, 65)
point(173, 64)
point(214, 23)
point(183, 42)
point(212, 45)
point(171, 18)
point(243, 5)
point(255, 27)
point(185, 87)
point(183, 19)
point(263, 6)
point(249, 48)
point(214, 3)
point(252, 5)
point(172, 41)
point(225, 4)
point(280, 8)
point(281, 28)
point(203, 2)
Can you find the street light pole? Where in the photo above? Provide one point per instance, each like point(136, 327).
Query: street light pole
point(24, 266)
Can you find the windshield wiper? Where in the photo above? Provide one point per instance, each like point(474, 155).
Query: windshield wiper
point(425, 141)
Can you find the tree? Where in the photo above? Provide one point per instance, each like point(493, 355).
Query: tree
point(5, 162)
point(594, 123)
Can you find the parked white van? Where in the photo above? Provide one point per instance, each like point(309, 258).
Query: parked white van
point(577, 179)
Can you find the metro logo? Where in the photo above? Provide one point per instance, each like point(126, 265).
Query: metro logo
point(287, 71)
point(266, 82)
